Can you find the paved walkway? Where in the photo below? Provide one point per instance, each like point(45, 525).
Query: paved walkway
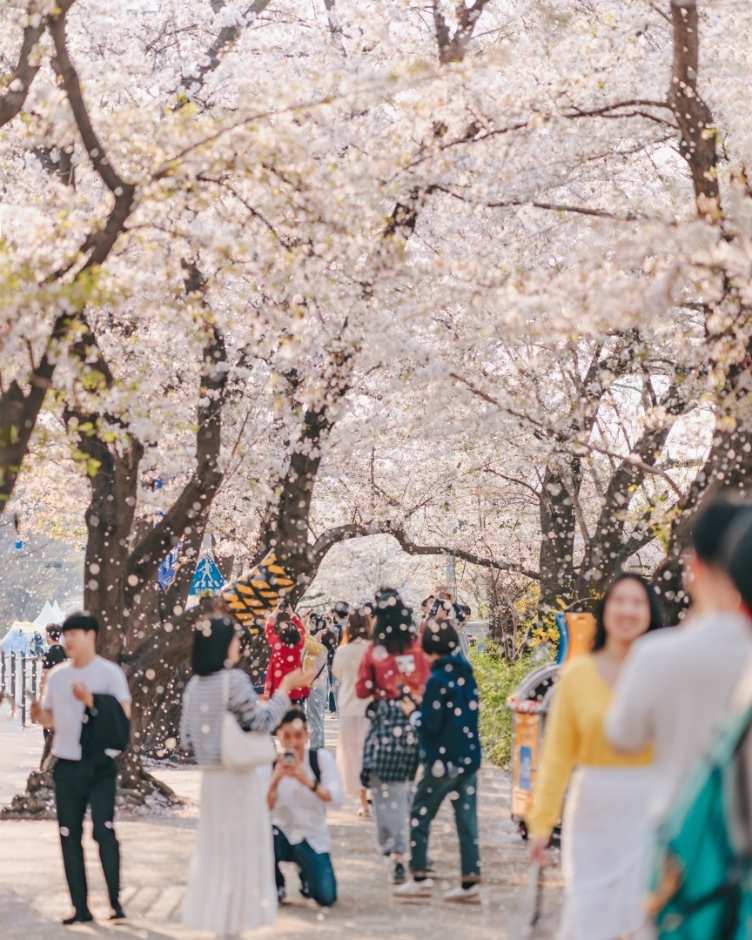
point(20, 751)
point(156, 851)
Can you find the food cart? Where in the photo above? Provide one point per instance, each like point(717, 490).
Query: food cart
point(529, 705)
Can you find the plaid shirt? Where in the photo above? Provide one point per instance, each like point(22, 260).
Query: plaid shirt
point(391, 748)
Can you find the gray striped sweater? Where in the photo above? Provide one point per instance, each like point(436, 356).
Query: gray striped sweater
point(202, 712)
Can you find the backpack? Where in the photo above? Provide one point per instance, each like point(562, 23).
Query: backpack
point(701, 887)
point(313, 758)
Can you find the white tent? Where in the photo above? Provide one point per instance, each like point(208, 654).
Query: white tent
point(51, 613)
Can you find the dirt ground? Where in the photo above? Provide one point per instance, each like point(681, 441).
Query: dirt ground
point(156, 852)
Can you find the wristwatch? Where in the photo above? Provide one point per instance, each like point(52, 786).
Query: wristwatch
point(315, 786)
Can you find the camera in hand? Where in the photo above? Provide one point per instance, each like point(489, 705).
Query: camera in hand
point(452, 610)
point(288, 757)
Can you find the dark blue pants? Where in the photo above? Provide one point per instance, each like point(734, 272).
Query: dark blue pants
point(316, 873)
point(430, 793)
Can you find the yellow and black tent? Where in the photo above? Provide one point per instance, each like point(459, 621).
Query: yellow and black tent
point(258, 592)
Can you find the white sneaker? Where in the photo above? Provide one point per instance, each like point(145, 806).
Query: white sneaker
point(464, 895)
point(414, 889)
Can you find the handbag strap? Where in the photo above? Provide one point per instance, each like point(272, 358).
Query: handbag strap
point(319, 672)
point(225, 689)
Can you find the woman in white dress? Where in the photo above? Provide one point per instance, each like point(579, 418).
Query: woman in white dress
point(231, 884)
point(605, 836)
point(353, 724)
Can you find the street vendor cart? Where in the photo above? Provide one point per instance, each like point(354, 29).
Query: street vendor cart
point(530, 703)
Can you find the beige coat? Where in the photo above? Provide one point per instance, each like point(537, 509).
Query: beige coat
point(345, 668)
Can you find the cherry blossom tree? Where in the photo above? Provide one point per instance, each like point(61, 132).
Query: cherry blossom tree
point(477, 274)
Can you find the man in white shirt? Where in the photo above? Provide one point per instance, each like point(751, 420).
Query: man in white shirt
point(304, 782)
point(676, 685)
point(80, 781)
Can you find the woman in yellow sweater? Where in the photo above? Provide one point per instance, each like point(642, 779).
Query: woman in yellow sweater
point(606, 827)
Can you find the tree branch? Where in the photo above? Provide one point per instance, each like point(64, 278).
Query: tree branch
point(608, 109)
point(360, 530)
point(335, 27)
point(697, 143)
point(99, 243)
point(452, 48)
point(577, 506)
point(226, 37)
point(494, 401)
point(23, 74)
point(195, 500)
point(636, 462)
point(552, 206)
point(19, 412)
point(503, 476)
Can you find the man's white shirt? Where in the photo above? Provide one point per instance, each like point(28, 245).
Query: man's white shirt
point(101, 677)
point(299, 813)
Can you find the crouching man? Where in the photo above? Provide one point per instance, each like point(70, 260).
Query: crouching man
point(304, 782)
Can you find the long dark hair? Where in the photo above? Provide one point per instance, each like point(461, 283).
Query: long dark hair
point(211, 641)
point(394, 622)
point(656, 621)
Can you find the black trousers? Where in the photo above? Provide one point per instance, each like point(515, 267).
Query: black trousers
point(79, 784)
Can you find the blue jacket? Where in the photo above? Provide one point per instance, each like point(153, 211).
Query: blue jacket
point(447, 721)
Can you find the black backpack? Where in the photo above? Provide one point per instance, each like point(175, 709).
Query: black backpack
point(313, 757)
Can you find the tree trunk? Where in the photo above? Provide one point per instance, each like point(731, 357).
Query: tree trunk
point(147, 633)
point(727, 471)
point(160, 734)
point(697, 140)
point(557, 522)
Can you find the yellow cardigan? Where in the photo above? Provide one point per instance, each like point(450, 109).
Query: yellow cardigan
point(574, 736)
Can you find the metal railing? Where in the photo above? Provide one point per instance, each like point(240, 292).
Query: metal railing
point(20, 681)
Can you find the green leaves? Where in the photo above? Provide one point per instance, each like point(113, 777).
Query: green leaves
point(497, 680)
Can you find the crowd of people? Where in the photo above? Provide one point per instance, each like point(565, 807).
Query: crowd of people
point(646, 736)
point(407, 708)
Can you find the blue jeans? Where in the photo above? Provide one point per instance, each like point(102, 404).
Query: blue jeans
point(333, 694)
point(316, 709)
point(317, 879)
point(430, 793)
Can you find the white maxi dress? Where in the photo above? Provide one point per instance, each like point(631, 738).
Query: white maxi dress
point(231, 886)
point(606, 838)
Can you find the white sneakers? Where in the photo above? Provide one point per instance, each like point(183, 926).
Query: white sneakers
point(462, 895)
point(412, 890)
